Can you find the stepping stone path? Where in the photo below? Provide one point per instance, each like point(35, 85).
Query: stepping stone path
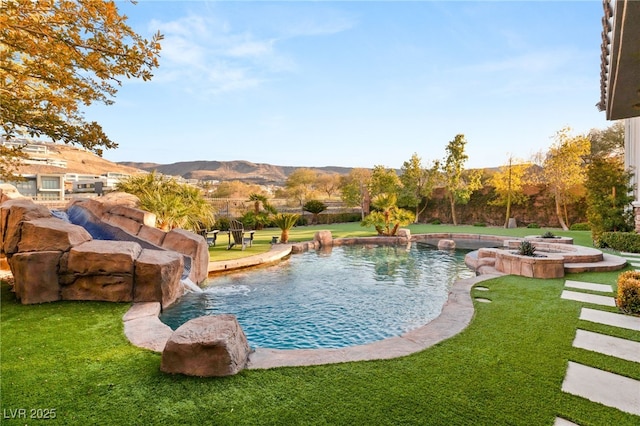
point(596, 385)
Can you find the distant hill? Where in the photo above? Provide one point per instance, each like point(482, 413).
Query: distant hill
point(52, 158)
point(49, 158)
point(245, 171)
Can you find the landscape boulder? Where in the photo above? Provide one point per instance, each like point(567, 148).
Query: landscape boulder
point(324, 238)
point(157, 277)
point(445, 244)
point(51, 234)
point(208, 346)
point(12, 214)
point(106, 288)
point(35, 276)
point(192, 245)
point(102, 257)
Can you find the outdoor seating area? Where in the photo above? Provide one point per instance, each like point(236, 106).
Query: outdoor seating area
point(239, 235)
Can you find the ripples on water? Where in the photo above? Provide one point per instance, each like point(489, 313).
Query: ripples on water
point(349, 296)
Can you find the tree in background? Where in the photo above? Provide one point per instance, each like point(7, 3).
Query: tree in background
point(235, 189)
point(384, 181)
point(175, 205)
point(608, 196)
point(258, 218)
point(564, 169)
point(418, 183)
point(56, 55)
point(329, 183)
point(509, 182)
point(315, 207)
point(300, 184)
point(354, 189)
point(458, 186)
point(608, 142)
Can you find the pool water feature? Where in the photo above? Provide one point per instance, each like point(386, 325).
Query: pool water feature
point(348, 296)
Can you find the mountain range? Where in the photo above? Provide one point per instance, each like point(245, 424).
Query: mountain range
point(61, 158)
point(245, 171)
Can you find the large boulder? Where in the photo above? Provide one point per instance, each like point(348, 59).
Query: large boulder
point(99, 270)
point(141, 216)
point(207, 346)
point(51, 234)
point(157, 277)
point(192, 245)
point(116, 198)
point(103, 257)
point(324, 238)
point(12, 214)
point(9, 192)
point(107, 288)
point(151, 234)
point(36, 276)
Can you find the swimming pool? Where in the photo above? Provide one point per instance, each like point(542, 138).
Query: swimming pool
point(348, 296)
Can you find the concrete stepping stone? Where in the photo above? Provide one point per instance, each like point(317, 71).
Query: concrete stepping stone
point(588, 286)
point(603, 387)
point(607, 345)
point(627, 254)
point(481, 288)
point(588, 298)
point(563, 422)
point(483, 300)
point(609, 318)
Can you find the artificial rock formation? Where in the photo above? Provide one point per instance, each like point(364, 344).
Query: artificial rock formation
point(51, 259)
point(206, 347)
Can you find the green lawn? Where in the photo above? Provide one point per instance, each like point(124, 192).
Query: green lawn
point(507, 367)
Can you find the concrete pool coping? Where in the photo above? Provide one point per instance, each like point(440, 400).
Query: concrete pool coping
point(143, 328)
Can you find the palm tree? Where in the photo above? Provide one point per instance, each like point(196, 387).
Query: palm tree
point(315, 207)
point(389, 217)
point(285, 221)
point(175, 205)
point(257, 217)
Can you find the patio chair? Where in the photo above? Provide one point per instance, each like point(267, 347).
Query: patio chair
point(236, 230)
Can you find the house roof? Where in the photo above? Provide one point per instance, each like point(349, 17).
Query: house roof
point(620, 59)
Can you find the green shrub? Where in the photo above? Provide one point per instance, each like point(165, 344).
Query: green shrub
point(620, 241)
point(435, 222)
point(222, 223)
point(329, 218)
point(533, 225)
point(548, 234)
point(581, 226)
point(628, 297)
point(526, 249)
point(481, 224)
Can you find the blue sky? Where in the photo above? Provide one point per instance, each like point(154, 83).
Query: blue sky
point(357, 84)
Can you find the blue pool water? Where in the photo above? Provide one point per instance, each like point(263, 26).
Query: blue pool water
point(350, 296)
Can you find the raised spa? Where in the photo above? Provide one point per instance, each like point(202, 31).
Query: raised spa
point(347, 296)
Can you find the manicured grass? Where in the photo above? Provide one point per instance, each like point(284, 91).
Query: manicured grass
point(507, 367)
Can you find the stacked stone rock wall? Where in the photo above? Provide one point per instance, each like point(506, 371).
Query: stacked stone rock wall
point(127, 223)
point(51, 259)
